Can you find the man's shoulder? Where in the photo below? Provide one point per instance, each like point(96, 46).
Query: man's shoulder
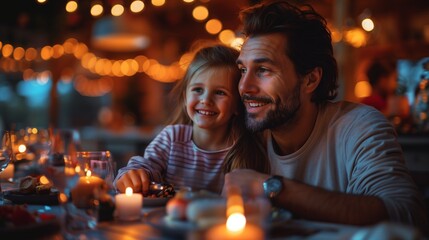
point(352, 114)
point(353, 109)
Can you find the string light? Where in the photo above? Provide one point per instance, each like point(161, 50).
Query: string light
point(200, 13)
point(71, 6)
point(117, 10)
point(23, 58)
point(137, 6)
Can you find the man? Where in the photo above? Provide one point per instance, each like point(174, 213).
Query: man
point(337, 162)
point(382, 77)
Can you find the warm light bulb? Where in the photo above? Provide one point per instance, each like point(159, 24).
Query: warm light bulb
point(18, 53)
point(226, 36)
point(237, 43)
point(236, 222)
point(96, 10)
point(7, 50)
point(158, 3)
point(129, 191)
point(117, 10)
point(363, 89)
point(200, 13)
point(137, 6)
point(368, 24)
point(213, 26)
point(71, 6)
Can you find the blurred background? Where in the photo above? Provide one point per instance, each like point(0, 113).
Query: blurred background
point(105, 67)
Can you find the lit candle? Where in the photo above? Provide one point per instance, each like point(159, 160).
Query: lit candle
point(249, 232)
point(128, 205)
point(236, 226)
point(86, 190)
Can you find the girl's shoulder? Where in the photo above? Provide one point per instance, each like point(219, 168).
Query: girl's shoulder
point(178, 132)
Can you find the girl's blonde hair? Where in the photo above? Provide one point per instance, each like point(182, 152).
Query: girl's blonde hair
point(208, 56)
point(248, 151)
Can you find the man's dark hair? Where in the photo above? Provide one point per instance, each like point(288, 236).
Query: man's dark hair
point(309, 42)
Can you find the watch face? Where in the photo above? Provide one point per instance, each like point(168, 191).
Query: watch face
point(272, 187)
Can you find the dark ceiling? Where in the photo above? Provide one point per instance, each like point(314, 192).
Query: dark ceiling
point(24, 22)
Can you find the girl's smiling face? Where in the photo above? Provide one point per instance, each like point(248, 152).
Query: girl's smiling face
point(212, 97)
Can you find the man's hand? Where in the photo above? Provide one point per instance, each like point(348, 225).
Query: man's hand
point(247, 180)
point(138, 180)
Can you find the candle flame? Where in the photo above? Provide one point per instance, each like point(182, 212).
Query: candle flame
point(77, 169)
point(44, 180)
point(234, 204)
point(236, 222)
point(128, 191)
point(22, 148)
point(88, 173)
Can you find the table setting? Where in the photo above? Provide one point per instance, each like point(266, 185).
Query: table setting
point(67, 193)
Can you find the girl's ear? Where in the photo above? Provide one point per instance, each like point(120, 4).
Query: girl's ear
point(313, 79)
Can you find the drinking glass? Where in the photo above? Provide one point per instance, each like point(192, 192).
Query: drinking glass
point(64, 174)
point(100, 163)
point(6, 154)
point(38, 142)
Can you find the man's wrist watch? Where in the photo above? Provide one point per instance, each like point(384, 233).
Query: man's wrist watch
point(273, 186)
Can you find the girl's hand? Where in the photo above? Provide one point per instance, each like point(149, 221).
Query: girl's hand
point(138, 180)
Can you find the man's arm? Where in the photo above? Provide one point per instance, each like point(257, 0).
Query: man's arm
point(313, 203)
point(318, 204)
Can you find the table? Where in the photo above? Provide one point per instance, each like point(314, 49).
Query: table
point(290, 229)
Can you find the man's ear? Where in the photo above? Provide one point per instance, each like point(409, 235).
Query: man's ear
point(313, 79)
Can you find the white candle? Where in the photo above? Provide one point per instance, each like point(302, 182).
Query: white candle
point(128, 205)
point(236, 226)
point(250, 232)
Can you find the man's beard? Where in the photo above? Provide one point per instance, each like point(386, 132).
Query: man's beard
point(282, 113)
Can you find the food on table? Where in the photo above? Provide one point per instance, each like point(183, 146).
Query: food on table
point(43, 189)
point(15, 215)
point(160, 190)
point(34, 185)
point(207, 212)
point(207, 209)
point(176, 207)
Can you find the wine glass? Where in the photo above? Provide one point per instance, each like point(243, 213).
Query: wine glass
point(6, 154)
point(63, 171)
point(39, 144)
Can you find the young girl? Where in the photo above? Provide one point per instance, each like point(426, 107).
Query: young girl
point(190, 152)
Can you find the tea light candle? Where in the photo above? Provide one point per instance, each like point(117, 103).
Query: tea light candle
point(128, 205)
point(236, 226)
point(221, 231)
point(85, 191)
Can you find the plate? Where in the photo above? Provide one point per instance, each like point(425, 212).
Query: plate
point(155, 202)
point(37, 199)
point(159, 219)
